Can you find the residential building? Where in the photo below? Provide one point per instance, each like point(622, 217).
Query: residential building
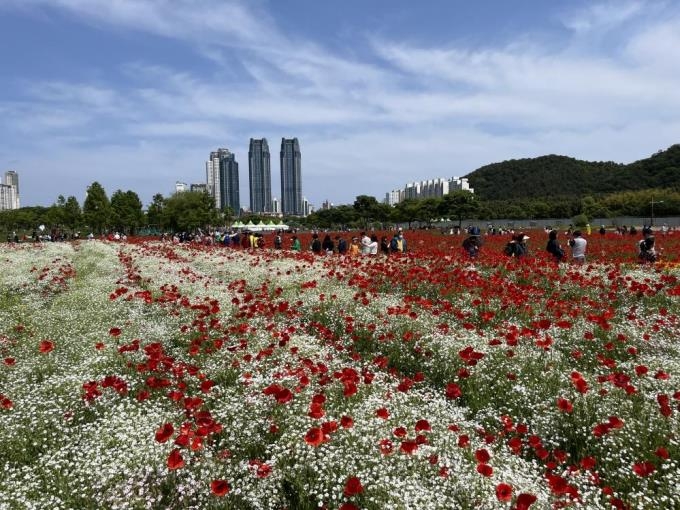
point(431, 188)
point(229, 182)
point(259, 170)
point(307, 208)
point(212, 176)
point(291, 177)
point(202, 187)
point(9, 191)
point(276, 206)
point(181, 187)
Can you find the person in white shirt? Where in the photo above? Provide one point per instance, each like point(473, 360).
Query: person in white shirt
point(578, 247)
point(365, 244)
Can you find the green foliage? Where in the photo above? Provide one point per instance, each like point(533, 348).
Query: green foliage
point(460, 205)
point(580, 220)
point(154, 214)
point(189, 210)
point(97, 208)
point(127, 215)
point(553, 175)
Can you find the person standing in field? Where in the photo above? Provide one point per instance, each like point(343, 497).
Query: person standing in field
point(473, 242)
point(553, 247)
point(327, 245)
point(315, 246)
point(354, 248)
point(398, 243)
point(647, 252)
point(342, 245)
point(578, 247)
point(365, 244)
point(296, 244)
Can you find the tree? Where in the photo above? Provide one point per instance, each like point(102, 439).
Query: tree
point(190, 210)
point(72, 213)
point(97, 208)
point(460, 205)
point(155, 213)
point(368, 209)
point(406, 211)
point(127, 212)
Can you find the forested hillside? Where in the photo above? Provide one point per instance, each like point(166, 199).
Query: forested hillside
point(568, 177)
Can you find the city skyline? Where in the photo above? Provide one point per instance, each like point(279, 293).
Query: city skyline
point(380, 93)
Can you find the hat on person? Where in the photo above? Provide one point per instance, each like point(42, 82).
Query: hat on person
point(525, 237)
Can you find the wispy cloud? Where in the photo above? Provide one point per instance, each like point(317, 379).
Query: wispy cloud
point(392, 111)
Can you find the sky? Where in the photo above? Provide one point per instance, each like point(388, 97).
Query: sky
point(135, 94)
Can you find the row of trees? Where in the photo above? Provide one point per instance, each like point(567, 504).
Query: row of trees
point(191, 210)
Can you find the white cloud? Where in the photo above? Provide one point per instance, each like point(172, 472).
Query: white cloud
point(398, 113)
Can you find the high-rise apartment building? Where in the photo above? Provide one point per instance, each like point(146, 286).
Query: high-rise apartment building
point(221, 172)
point(9, 191)
point(229, 183)
point(259, 166)
point(212, 175)
point(291, 178)
point(432, 188)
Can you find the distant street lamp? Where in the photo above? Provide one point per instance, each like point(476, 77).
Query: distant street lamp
point(651, 222)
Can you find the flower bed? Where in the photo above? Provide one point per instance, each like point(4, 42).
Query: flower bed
point(152, 375)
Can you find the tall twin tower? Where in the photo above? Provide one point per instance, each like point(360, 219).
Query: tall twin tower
point(223, 181)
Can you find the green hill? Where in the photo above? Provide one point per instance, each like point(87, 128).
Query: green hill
point(568, 177)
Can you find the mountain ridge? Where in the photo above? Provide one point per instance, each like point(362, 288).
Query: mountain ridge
point(565, 176)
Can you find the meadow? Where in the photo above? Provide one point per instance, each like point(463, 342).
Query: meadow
point(155, 375)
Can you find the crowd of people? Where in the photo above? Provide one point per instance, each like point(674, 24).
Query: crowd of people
point(517, 246)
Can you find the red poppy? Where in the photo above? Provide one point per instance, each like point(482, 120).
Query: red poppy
point(348, 506)
point(115, 332)
point(662, 453)
point(524, 501)
point(382, 413)
point(408, 447)
point(10, 362)
point(400, 432)
point(504, 492)
point(346, 422)
point(453, 391)
point(314, 437)
point(5, 402)
point(219, 487)
point(175, 460)
point(353, 486)
point(644, 468)
point(484, 469)
point(564, 405)
point(463, 441)
point(386, 446)
point(423, 425)
point(482, 456)
point(165, 432)
point(46, 346)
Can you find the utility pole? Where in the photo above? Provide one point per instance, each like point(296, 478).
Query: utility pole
point(651, 222)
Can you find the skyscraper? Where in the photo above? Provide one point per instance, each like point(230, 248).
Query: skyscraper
point(229, 183)
point(291, 178)
point(212, 175)
point(221, 172)
point(260, 176)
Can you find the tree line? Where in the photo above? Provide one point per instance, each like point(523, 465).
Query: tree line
point(188, 211)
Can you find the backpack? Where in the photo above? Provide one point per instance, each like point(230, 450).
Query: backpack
point(509, 249)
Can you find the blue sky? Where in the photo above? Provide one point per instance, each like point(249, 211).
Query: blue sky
point(136, 93)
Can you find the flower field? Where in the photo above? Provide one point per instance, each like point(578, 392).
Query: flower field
point(153, 375)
